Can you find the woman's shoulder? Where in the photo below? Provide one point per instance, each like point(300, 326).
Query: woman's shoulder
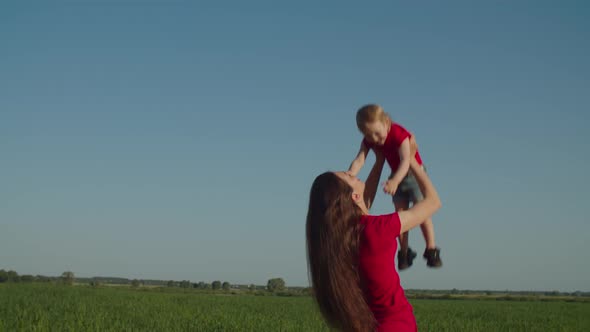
point(389, 224)
point(373, 218)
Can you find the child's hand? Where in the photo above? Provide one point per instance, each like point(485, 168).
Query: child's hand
point(390, 187)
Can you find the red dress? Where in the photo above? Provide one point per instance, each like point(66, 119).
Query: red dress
point(380, 281)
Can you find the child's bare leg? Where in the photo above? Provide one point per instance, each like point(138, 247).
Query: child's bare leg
point(405, 255)
point(428, 232)
point(403, 242)
point(403, 237)
point(432, 253)
point(427, 227)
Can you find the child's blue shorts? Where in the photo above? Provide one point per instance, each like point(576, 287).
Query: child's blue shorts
point(408, 190)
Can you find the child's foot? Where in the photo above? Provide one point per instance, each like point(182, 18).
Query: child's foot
point(405, 259)
point(432, 257)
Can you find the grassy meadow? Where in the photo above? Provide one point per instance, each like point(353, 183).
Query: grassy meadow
point(52, 307)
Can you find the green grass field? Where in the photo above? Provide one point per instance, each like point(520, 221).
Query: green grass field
point(49, 307)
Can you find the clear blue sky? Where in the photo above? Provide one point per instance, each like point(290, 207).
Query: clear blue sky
point(175, 140)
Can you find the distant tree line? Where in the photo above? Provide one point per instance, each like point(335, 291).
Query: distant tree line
point(490, 294)
point(274, 286)
point(12, 276)
point(277, 286)
point(215, 285)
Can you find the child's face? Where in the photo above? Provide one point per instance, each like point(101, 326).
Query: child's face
point(376, 132)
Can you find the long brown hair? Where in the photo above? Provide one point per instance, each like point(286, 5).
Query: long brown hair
point(333, 229)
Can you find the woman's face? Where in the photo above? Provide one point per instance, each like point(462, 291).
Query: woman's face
point(358, 186)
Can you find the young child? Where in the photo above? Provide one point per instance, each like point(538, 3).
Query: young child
point(394, 142)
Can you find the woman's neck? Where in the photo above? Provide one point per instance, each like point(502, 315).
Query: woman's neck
point(363, 207)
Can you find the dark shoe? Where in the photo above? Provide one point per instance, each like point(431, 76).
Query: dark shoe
point(432, 257)
point(405, 259)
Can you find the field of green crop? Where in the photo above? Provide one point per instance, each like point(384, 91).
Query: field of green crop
point(484, 315)
point(48, 307)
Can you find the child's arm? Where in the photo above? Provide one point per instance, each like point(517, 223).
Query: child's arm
point(423, 209)
point(413, 146)
point(359, 161)
point(396, 178)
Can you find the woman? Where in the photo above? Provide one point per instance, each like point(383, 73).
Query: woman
point(351, 253)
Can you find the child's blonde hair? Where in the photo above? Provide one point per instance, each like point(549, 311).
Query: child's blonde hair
point(369, 114)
